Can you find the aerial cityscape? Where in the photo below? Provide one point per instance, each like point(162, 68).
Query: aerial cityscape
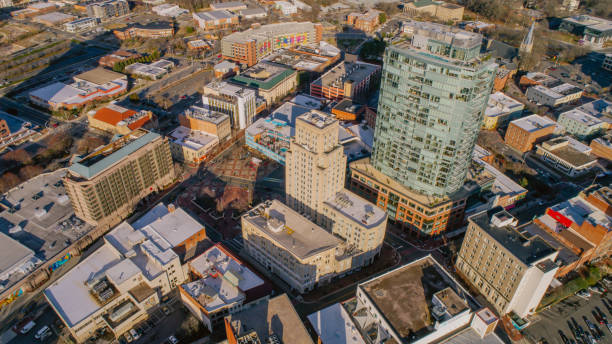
point(305, 171)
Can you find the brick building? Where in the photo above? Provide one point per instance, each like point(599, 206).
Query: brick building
point(366, 22)
point(524, 133)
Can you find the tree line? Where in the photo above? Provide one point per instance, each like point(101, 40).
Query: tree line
point(120, 66)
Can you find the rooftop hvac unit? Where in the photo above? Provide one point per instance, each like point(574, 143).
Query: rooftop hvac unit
point(121, 311)
point(100, 286)
point(106, 294)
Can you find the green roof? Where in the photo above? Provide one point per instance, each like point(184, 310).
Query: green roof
point(422, 3)
point(262, 84)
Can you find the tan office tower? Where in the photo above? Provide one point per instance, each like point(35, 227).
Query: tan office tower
point(315, 164)
point(105, 186)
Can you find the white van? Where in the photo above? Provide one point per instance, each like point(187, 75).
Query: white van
point(27, 327)
point(42, 333)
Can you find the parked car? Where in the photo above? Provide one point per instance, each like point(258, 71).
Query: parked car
point(585, 294)
point(43, 333)
point(24, 326)
point(134, 334)
point(173, 340)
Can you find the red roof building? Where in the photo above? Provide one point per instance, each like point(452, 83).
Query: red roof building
point(119, 120)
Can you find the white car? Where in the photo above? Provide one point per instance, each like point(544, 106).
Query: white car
point(585, 294)
point(173, 340)
point(43, 333)
point(134, 334)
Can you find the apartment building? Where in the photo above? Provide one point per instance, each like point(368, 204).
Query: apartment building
point(544, 89)
point(511, 271)
point(105, 186)
point(214, 20)
point(566, 155)
point(119, 120)
point(238, 102)
point(118, 284)
point(419, 302)
point(440, 10)
point(250, 46)
point(500, 110)
point(524, 133)
point(220, 286)
point(96, 84)
point(346, 80)
point(108, 9)
point(270, 81)
point(81, 24)
point(600, 109)
point(150, 30)
point(366, 22)
point(581, 125)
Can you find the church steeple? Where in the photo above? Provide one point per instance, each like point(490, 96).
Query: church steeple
point(527, 43)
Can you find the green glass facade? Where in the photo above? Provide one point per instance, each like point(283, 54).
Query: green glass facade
point(432, 100)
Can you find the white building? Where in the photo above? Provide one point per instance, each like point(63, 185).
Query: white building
point(500, 110)
point(81, 24)
point(570, 5)
point(555, 95)
point(228, 6)
point(116, 285)
point(567, 156)
point(169, 10)
point(224, 284)
point(15, 258)
point(287, 8)
point(240, 103)
point(419, 302)
point(581, 124)
point(607, 62)
point(253, 13)
point(191, 146)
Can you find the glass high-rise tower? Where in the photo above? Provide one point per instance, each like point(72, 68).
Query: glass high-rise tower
point(434, 90)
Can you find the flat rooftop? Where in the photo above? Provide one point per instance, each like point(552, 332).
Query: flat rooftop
point(444, 33)
point(193, 139)
point(268, 318)
point(264, 76)
point(355, 72)
point(290, 230)
point(526, 250)
point(533, 123)
point(12, 252)
point(103, 158)
point(206, 115)
point(357, 209)
point(215, 15)
point(582, 117)
point(500, 104)
point(566, 152)
point(333, 324)
point(264, 32)
point(317, 118)
point(38, 214)
point(404, 295)
point(99, 76)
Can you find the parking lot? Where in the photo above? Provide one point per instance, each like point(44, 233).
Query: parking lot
point(563, 319)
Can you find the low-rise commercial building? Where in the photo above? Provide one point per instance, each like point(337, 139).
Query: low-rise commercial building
point(581, 124)
point(270, 81)
point(366, 22)
point(582, 223)
point(220, 286)
point(500, 110)
point(96, 84)
point(602, 147)
point(312, 57)
point(523, 133)
point(566, 155)
point(267, 320)
point(119, 120)
point(81, 24)
point(169, 10)
point(152, 71)
point(225, 69)
point(53, 18)
point(346, 80)
point(228, 6)
point(117, 56)
point(511, 271)
point(346, 110)
point(199, 44)
point(14, 130)
point(191, 146)
point(214, 123)
point(105, 185)
point(593, 30)
point(419, 302)
point(600, 109)
point(34, 9)
point(250, 46)
point(150, 30)
point(440, 10)
point(238, 102)
point(424, 215)
point(108, 9)
point(117, 285)
point(553, 96)
point(252, 13)
point(213, 20)
point(285, 7)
